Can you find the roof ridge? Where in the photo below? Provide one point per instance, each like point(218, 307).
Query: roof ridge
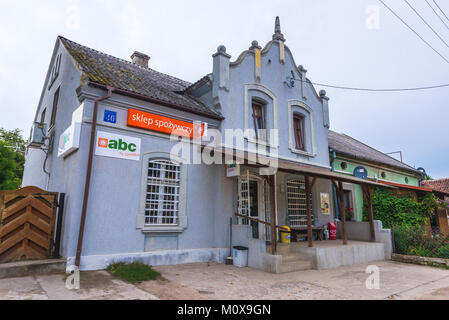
point(436, 180)
point(396, 160)
point(187, 83)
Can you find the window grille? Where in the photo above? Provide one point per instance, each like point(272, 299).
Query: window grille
point(162, 197)
point(244, 201)
point(296, 202)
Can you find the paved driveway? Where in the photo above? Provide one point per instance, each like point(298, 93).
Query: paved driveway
point(218, 281)
point(98, 285)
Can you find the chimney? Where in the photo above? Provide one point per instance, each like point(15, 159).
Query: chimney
point(140, 59)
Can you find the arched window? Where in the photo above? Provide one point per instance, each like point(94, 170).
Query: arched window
point(162, 192)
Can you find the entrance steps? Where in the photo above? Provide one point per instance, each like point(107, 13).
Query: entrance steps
point(291, 261)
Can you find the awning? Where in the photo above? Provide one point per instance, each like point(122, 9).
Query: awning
point(423, 189)
point(296, 168)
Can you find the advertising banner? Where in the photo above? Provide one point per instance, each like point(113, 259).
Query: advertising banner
point(154, 122)
point(69, 141)
point(117, 146)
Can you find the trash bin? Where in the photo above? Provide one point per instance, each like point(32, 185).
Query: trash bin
point(286, 234)
point(332, 227)
point(240, 256)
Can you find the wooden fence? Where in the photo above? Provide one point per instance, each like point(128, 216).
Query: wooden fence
point(27, 224)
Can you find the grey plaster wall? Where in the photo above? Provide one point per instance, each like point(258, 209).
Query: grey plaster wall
point(273, 75)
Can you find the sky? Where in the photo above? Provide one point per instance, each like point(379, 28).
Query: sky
point(355, 43)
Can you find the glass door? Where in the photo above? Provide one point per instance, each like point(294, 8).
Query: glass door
point(254, 207)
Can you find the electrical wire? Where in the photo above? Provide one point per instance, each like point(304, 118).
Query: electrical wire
point(441, 10)
point(424, 20)
point(378, 90)
point(405, 23)
point(436, 13)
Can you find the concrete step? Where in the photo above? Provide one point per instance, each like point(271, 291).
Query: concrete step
point(283, 248)
point(31, 267)
point(297, 265)
point(287, 257)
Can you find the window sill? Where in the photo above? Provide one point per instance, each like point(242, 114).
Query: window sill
point(163, 229)
point(304, 153)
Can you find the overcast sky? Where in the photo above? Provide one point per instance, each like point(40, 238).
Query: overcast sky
point(338, 42)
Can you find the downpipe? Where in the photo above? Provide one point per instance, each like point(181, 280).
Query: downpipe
point(89, 174)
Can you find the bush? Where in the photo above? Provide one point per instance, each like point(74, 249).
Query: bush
point(443, 252)
point(133, 272)
point(407, 238)
point(419, 251)
point(414, 241)
point(392, 210)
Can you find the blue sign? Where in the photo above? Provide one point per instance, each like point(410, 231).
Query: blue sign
point(361, 172)
point(110, 116)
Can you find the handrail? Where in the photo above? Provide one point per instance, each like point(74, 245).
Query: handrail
point(258, 220)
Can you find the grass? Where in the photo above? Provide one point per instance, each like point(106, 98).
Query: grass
point(133, 272)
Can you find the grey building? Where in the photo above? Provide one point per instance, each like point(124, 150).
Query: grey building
point(147, 202)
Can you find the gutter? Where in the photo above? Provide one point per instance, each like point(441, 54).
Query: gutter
point(153, 100)
point(89, 174)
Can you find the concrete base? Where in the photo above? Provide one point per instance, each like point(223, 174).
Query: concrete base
point(360, 231)
point(426, 261)
point(33, 267)
point(156, 258)
point(333, 254)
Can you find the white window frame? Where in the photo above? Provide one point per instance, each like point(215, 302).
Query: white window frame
point(180, 223)
point(163, 191)
point(307, 112)
point(244, 201)
point(274, 141)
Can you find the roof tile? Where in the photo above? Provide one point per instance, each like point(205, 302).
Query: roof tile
point(347, 145)
point(107, 70)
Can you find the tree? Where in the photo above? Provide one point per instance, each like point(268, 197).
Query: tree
point(12, 158)
point(17, 144)
point(8, 177)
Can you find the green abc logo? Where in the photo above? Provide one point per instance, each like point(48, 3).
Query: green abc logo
point(117, 145)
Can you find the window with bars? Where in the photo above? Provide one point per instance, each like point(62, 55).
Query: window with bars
point(244, 201)
point(296, 203)
point(162, 196)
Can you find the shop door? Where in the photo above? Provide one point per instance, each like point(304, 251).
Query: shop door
point(252, 204)
point(254, 207)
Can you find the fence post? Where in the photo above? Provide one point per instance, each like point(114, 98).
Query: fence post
point(59, 225)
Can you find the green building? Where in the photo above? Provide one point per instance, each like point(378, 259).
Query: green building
point(352, 157)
